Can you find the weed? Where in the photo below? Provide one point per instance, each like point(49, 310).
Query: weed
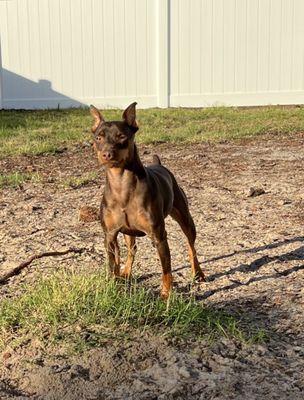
point(16, 179)
point(76, 182)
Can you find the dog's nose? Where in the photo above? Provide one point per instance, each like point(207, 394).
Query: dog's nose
point(107, 155)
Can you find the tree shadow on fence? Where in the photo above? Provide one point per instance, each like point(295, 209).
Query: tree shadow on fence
point(20, 93)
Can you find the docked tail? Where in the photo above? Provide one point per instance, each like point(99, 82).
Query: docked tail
point(156, 160)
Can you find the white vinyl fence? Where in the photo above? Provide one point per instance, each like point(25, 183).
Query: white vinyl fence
point(63, 53)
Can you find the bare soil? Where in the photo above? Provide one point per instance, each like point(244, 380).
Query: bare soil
point(251, 248)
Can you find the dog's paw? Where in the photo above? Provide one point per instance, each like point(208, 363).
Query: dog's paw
point(124, 274)
point(164, 294)
point(199, 277)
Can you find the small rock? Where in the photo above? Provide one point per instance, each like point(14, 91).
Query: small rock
point(30, 168)
point(184, 372)
point(54, 213)
point(299, 349)
point(197, 352)
point(290, 352)
point(60, 150)
point(39, 361)
point(6, 355)
point(261, 350)
point(78, 370)
point(254, 192)
point(78, 328)
point(50, 179)
point(56, 369)
point(285, 202)
point(36, 207)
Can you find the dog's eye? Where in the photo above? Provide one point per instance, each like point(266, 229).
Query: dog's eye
point(122, 137)
point(122, 144)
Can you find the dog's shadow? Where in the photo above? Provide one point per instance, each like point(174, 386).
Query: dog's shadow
point(250, 311)
point(254, 266)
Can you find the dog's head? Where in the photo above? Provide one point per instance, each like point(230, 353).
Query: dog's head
point(114, 140)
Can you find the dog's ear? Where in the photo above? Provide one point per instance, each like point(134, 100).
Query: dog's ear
point(129, 115)
point(98, 118)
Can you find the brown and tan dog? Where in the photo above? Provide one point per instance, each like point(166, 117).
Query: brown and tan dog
point(137, 199)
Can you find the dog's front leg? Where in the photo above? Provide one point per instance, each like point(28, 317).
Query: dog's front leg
point(112, 249)
point(160, 239)
point(131, 244)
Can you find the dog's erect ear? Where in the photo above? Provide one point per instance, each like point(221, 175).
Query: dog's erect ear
point(98, 118)
point(129, 115)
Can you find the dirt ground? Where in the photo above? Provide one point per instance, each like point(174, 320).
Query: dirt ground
point(251, 249)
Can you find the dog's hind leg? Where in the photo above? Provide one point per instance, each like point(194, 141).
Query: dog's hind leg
point(131, 245)
point(181, 214)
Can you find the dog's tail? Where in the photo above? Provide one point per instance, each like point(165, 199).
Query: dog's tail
point(156, 160)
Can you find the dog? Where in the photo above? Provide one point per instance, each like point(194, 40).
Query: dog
point(137, 199)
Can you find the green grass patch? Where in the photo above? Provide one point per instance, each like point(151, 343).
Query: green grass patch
point(16, 179)
point(76, 182)
point(41, 131)
point(84, 309)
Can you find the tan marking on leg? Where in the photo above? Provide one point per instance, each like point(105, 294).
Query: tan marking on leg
point(167, 281)
point(131, 244)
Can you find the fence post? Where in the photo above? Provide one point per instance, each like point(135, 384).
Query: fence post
point(1, 85)
point(163, 53)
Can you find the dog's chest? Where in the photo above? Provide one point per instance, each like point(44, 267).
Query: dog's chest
point(128, 220)
point(124, 214)
point(125, 205)
point(131, 215)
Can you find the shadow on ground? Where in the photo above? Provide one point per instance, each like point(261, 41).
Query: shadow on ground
point(258, 311)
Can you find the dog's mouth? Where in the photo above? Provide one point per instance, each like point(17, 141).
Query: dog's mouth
point(113, 163)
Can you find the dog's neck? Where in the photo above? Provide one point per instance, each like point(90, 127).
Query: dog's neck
point(121, 181)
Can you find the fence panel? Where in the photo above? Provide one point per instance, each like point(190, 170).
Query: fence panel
point(236, 52)
point(74, 52)
point(62, 53)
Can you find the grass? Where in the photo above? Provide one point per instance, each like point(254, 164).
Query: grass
point(39, 132)
point(76, 182)
point(84, 309)
point(16, 179)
